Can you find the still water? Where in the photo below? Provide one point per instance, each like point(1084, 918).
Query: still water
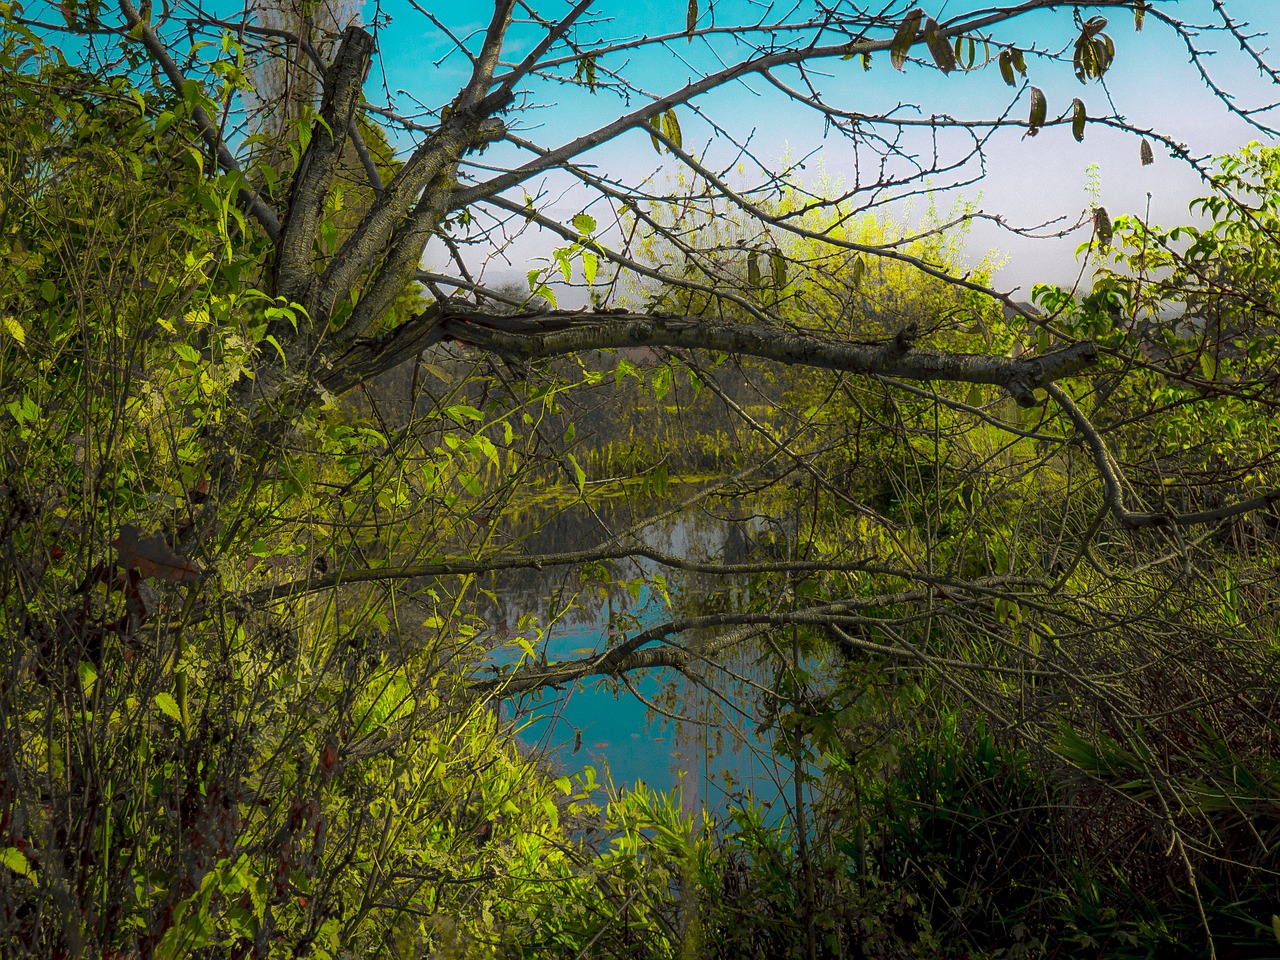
point(716, 752)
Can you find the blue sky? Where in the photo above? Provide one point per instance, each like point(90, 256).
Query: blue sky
point(1028, 180)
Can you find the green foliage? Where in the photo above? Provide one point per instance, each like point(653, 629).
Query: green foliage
point(181, 775)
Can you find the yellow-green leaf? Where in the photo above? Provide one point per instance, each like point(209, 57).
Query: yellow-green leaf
point(1209, 366)
point(579, 475)
point(168, 706)
point(1139, 15)
point(778, 266)
point(656, 123)
point(691, 19)
point(671, 127)
point(904, 38)
point(15, 860)
point(16, 330)
point(590, 263)
point(857, 270)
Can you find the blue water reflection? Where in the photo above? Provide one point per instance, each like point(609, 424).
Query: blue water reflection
point(600, 722)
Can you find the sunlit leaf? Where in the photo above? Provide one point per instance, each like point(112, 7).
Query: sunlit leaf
point(662, 378)
point(904, 38)
point(590, 264)
point(671, 127)
point(15, 860)
point(16, 330)
point(656, 123)
point(584, 224)
point(168, 706)
point(1209, 366)
point(1139, 16)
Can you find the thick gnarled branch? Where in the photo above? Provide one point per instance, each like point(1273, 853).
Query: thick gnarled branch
point(534, 336)
point(310, 186)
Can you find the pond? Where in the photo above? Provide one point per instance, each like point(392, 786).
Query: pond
point(715, 751)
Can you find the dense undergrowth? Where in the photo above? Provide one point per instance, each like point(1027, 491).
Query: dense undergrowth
point(1077, 762)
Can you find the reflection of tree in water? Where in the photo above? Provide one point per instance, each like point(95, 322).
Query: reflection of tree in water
point(695, 535)
point(707, 718)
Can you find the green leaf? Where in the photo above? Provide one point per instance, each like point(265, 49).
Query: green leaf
point(857, 270)
point(586, 72)
point(579, 475)
point(1006, 67)
point(48, 291)
point(656, 123)
point(279, 349)
point(1102, 226)
point(590, 263)
point(1145, 155)
point(662, 378)
point(671, 127)
point(1094, 51)
point(938, 46)
point(778, 267)
point(1209, 366)
point(1039, 107)
point(753, 268)
point(1077, 119)
point(16, 860)
point(584, 224)
point(168, 706)
point(460, 413)
point(1140, 15)
point(904, 38)
point(15, 329)
point(691, 20)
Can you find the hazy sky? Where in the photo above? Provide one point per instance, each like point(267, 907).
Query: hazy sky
point(1027, 180)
